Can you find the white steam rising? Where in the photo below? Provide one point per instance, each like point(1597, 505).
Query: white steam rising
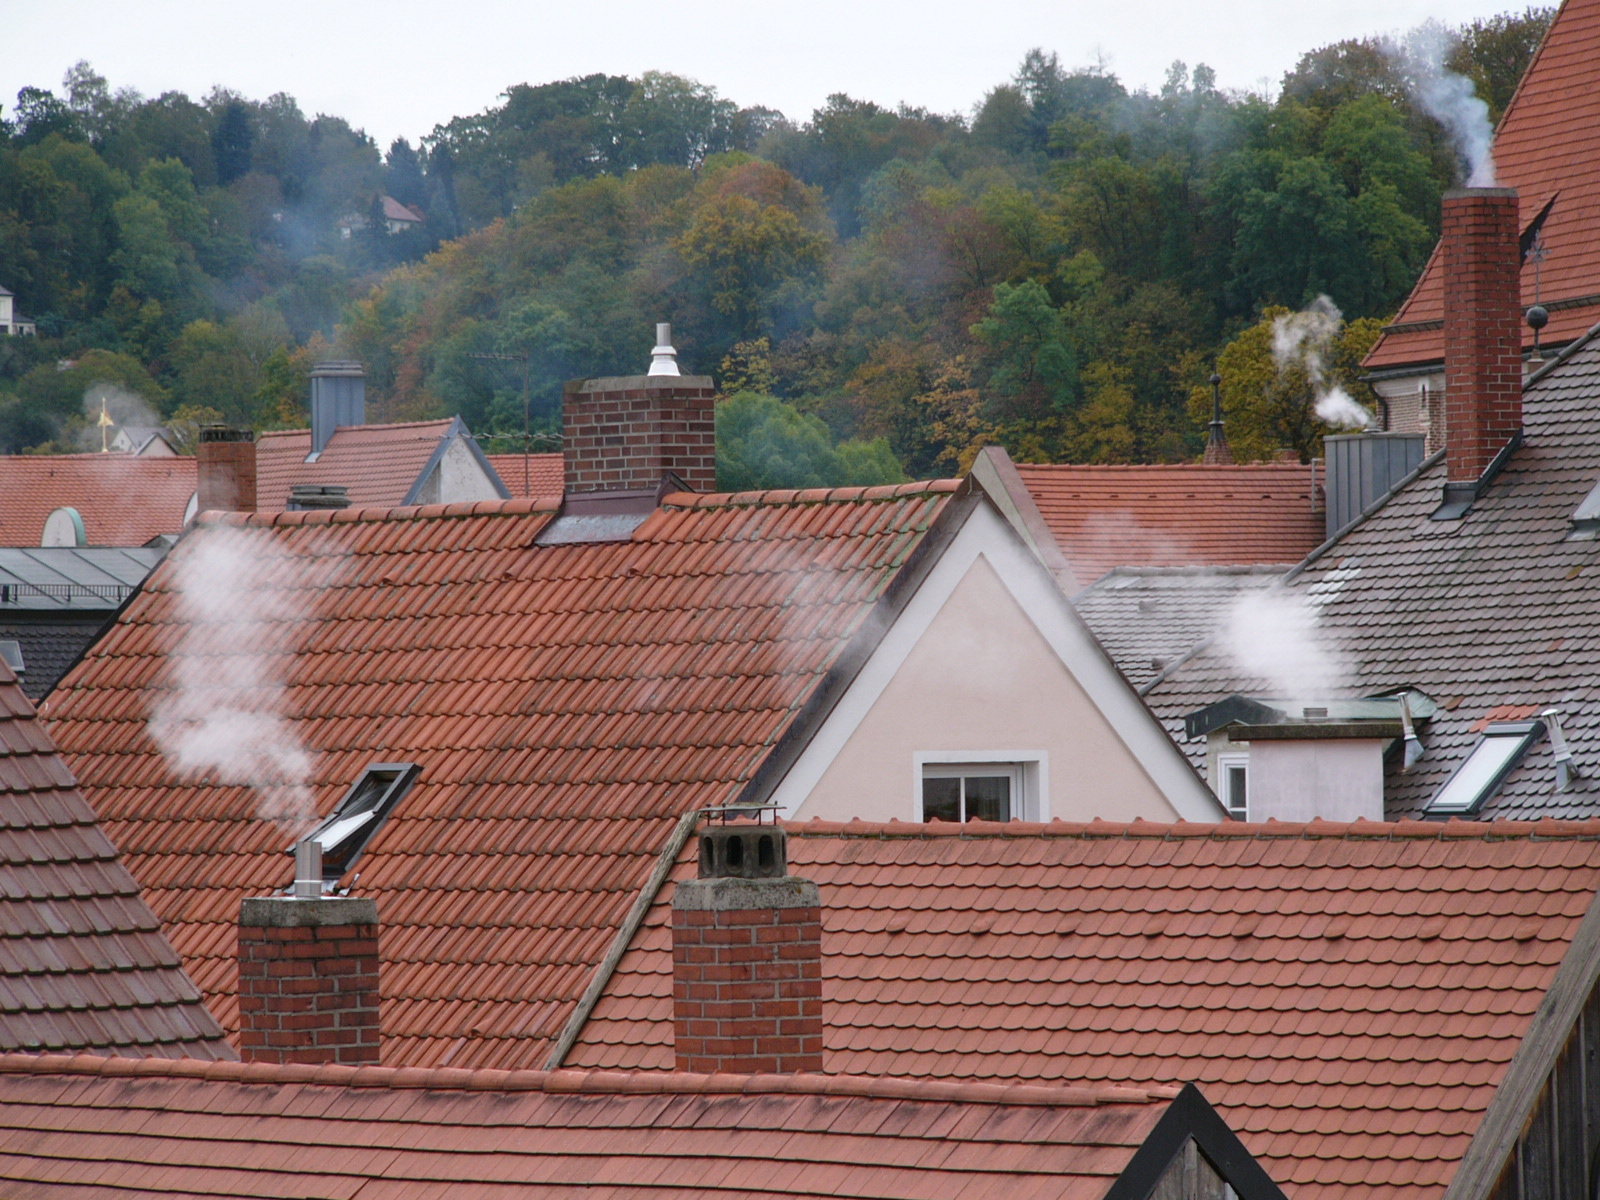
point(127, 409)
point(1273, 636)
point(1450, 99)
point(225, 716)
point(1305, 339)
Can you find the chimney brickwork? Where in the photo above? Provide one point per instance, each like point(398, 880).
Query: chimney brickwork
point(308, 980)
point(225, 466)
point(623, 434)
point(1482, 328)
point(746, 960)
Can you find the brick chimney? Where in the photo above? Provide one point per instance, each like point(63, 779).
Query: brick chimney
point(225, 462)
point(1482, 332)
point(621, 434)
point(746, 958)
point(308, 975)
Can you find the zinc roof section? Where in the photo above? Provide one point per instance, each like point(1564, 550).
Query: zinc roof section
point(377, 463)
point(1149, 617)
point(533, 475)
point(566, 704)
point(96, 1128)
point(1490, 614)
point(124, 500)
point(1184, 515)
point(1347, 996)
point(83, 963)
point(1547, 145)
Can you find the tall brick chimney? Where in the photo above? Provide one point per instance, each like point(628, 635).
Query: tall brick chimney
point(225, 463)
point(746, 958)
point(621, 434)
point(1482, 333)
point(308, 974)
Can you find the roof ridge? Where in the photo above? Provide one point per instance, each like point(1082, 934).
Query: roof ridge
point(1113, 468)
point(1544, 829)
point(892, 491)
point(266, 433)
point(517, 506)
point(569, 1082)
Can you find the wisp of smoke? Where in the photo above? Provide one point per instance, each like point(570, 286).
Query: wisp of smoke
point(1450, 99)
point(224, 716)
point(122, 406)
point(1273, 636)
point(1305, 339)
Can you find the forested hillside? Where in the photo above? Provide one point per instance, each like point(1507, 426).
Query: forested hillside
point(1057, 271)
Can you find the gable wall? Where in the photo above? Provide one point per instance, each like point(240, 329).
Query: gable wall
point(457, 478)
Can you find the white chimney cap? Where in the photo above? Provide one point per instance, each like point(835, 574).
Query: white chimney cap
point(664, 359)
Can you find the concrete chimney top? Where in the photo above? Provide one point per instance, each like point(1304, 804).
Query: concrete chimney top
point(664, 359)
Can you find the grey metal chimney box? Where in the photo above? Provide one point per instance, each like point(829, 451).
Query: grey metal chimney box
point(1363, 468)
point(338, 397)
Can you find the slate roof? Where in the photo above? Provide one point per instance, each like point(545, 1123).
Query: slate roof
point(83, 964)
point(1547, 146)
point(124, 500)
point(95, 1127)
point(1347, 996)
point(379, 464)
point(1491, 615)
point(1147, 618)
point(540, 475)
point(566, 705)
point(1177, 516)
point(50, 643)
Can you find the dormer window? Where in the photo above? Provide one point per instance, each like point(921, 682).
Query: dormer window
point(979, 786)
point(1494, 757)
point(355, 820)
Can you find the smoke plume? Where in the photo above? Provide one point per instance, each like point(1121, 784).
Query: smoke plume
point(126, 409)
point(225, 715)
point(1450, 99)
point(1305, 340)
point(1273, 636)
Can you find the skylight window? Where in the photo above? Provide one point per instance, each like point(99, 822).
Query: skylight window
point(1492, 759)
point(355, 820)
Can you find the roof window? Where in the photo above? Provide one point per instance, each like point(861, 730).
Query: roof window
point(355, 820)
point(1492, 759)
point(11, 655)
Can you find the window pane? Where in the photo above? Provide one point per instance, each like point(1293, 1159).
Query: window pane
point(1238, 781)
point(988, 797)
point(941, 799)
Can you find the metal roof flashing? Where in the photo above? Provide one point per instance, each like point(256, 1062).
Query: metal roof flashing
point(1382, 716)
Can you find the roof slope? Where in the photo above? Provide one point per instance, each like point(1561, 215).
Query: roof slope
point(1547, 146)
point(124, 500)
point(1490, 615)
point(1176, 516)
point(566, 705)
point(83, 965)
point(379, 464)
point(1149, 617)
point(540, 475)
point(1347, 996)
point(91, 1128)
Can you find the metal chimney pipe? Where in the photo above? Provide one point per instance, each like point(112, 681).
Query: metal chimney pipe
point(664, 359)
point(308, 870)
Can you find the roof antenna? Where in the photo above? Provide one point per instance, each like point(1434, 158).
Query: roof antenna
point(1413, 754)
point(1566, 771)
point(664, 359)
point(1218, 453)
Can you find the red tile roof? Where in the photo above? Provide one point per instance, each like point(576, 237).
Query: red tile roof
point(542, 475)
point(100, 1127)
point(1547, 145)
point(378, 463)
point(1348, 996)
point(1185, 515)
point(566, 704)
point(83, 965)
point(124, 500)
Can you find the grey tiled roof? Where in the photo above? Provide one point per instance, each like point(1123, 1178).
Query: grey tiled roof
point(1495, 615)
point(1148, 617)
point(50, 644)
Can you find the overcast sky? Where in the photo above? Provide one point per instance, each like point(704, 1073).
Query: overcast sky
point(399, 67)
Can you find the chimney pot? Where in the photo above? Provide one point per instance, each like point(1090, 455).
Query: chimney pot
point(664, 359)
point(338, 398)
point(225, 466)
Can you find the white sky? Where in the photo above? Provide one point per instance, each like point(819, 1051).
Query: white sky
point(399, 67)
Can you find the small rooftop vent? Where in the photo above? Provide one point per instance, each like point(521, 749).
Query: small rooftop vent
point(664, 359)
point(355, 820)
point(304, 497)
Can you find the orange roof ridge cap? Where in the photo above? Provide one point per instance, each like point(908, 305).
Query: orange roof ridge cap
point(891, 491)
point(516, 506)
point(1544, 829)
point(587, 1082)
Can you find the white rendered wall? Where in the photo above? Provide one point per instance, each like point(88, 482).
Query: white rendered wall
point(1336, 779)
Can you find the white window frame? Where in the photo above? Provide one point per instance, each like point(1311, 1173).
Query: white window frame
point(1226, 762)
point(1030, 800)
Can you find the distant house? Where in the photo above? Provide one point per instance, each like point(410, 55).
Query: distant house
point(12, 322)
point(570, 680)
point(397, 218)
point(142, 440)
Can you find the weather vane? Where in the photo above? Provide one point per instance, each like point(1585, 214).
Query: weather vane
point(105, 422)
